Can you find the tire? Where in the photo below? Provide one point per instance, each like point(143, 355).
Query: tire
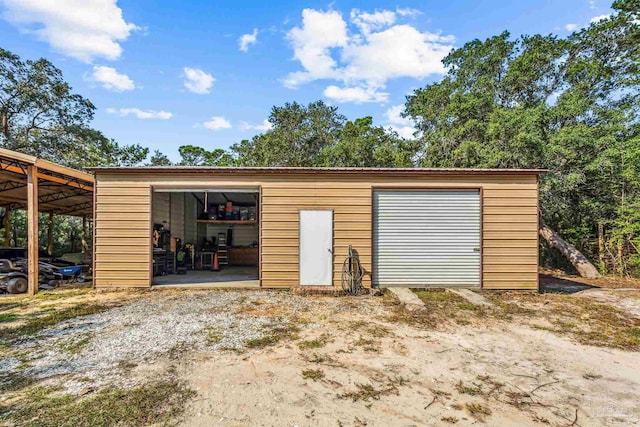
point(17, 285)
point(55, 283)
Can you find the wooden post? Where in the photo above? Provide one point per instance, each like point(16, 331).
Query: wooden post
point(50, 234)
point(601, 246)
point(84, 234)
point(32, 229)
point(7, 228)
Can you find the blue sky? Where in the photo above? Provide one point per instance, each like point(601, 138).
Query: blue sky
point(166, 73)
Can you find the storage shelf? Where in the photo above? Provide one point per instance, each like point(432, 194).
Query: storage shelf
point(228, 222)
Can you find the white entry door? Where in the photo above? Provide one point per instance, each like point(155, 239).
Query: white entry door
point(316, 247)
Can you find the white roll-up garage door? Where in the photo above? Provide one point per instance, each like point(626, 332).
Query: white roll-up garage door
point(425, 238)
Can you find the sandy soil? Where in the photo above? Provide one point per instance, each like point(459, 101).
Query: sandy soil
point(520, 375)
point(349, 364)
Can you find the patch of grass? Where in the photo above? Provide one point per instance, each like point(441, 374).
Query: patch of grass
point(274, 336)
point(367, 392)
point(13, 381)
point(8, 317)
point(634, 332)
point(364, 342)
point(364, 392)
point(378, 331)
point(7, 303)
point(314, 343)
point(585, 320)
point(264, 341)
point(36, 324)
point(449, 420)
point(75, 344)
point(478, 411)
point(57, 294)
point(213, 334)
point(317, 358)
point(313, 374)
point(589, 376)
point(157, 403)
point(471, 390)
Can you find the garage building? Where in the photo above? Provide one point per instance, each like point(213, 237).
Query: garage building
point(291, 227)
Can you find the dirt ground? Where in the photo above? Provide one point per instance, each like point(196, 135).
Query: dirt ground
point(260, 358)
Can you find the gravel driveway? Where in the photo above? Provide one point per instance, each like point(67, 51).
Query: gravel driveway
point(95, 350)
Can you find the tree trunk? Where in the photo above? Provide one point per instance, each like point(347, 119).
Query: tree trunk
point(5, 124)
point(579, 261)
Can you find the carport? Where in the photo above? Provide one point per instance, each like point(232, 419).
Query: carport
point(36, 185)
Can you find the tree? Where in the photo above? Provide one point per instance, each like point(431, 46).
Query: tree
point(298, 137)
point(569, 105)
point(37, 107)
point(197, 156)
point(41, 116)
point(159, 159)
point(361, 144)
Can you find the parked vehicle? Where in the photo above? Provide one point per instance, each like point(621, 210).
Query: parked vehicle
point(14, 278)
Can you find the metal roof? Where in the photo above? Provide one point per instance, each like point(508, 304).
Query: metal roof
point(61, 190)
point(314, 170)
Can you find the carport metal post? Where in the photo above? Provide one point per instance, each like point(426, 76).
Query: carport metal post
point(50, 234)
point(84, 234)
point(32, 229)
point(7, 227)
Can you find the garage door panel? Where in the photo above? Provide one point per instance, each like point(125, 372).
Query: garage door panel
point(426, 238)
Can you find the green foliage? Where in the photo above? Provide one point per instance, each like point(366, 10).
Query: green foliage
point(197, 156)
point(159, 159)
point(67, 232)
point(567, 105)
point(317, 135)
point(41, 116)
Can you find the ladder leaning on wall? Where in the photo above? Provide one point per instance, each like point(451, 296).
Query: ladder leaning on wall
point(222, 249)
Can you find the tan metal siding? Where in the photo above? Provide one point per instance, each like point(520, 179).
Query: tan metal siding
point(510, 237)
point(122, 234)
point(281, 201)
point(509, 245)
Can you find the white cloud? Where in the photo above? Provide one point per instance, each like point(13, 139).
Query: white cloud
point(197, 81)
point(599, 18)
point(407, 11)
point(571, 27)
point(592, 4)
point(366, 55)
point(320, 32)
point(262, 127)
point(404, 126)
point(399, 51)
point(247, 40)
point(217, 123)
point(140, 114)
point(82, 29)
point(367, 22)
point(357, 95)
point(110, 79)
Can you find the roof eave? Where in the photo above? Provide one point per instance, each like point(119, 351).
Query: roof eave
point(303, 170)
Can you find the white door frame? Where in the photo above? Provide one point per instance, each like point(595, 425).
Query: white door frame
point(317, 251)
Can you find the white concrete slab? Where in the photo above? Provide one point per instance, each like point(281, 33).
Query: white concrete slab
point(406, 297)
point(472, 297)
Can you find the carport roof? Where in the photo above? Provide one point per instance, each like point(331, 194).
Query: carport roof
point(315, 170)
point(61, 190)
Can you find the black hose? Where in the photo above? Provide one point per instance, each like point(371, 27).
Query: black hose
point(352, 274)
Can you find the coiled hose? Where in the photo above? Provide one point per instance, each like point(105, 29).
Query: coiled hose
point(352, 273)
